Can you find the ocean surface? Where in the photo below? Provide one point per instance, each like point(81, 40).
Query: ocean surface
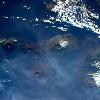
point(49, 49)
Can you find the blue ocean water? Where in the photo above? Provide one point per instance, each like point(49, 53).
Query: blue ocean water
point(49, 50)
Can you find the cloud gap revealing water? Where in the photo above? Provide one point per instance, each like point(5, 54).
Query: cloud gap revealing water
point(74, 12)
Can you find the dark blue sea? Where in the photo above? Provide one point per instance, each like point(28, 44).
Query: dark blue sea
point(49, 50)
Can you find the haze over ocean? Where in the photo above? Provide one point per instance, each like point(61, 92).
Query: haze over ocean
point(49, 50)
